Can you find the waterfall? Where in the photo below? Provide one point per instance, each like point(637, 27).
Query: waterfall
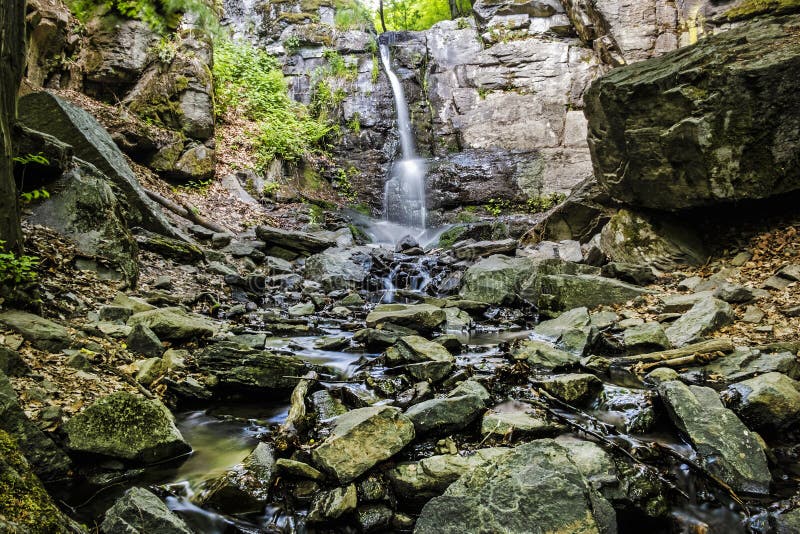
point(404, 194)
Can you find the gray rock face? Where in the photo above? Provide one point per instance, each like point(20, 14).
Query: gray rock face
point(544, 355)
point(83, 207)
point(339, 268)
point(455, 411)
point(496, 279)
point(240, 368)
point(126, 427)
point(664, 244)
point(330, 505)
point(50, 114)
point(726, 447)
point(423, 359)
point(140, 512)
point(362, 438)
point(689, 154)
point(422, 317)
point(40, 332)
point(706, 316)
point(564, 292)
point(244, 488)
point(746, 363)
point(46, 459)
point(571, 388)
point(536, 484)
point(767, 402)
point(290, 244)
point(117, 51)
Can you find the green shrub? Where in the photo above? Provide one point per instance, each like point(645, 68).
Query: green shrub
point(16, 270)
point(352, 15)
point(161, 15)
point(250, 82)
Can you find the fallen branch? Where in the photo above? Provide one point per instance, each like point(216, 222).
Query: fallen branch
point(723, 345)
point(286, 437)
point(188, 212)
point(699, 358)
point(597, 435)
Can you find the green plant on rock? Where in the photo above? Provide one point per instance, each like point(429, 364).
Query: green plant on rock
point(32, 196)
point(250, 82)
point(162, 16)
point(16, 270)
point(496, 207)
point(270, 188)
point(352, 15)
point(354, 124)
point(544, 202)
point(291, 44)
point(343, 185)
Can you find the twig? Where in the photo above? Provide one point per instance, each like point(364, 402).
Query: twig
point(323, 380)
point(699, 358)
point(723, 345)
point(188, 212)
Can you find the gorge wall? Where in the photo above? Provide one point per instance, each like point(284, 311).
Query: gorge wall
point(496, 100)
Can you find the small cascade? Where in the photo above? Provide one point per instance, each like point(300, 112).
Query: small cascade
point(404, 194)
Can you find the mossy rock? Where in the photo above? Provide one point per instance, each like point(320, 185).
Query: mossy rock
point(25, 506)
point(128, 427)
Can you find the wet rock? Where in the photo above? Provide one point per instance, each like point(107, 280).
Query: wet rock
point(332, 343)
point(142, 340)
point(240, 369)
point(339, 268)
point(454, 412)
point(571, 331)
point(174, 324)
point(424, 360)
point(374, 339)
point(708, 315)
point(406, 243)
point(573, 388)
point(536, 484)
point(170, 248)
point(362, 438)
point(374, 517)
point(422, 317)
point(84, 208)
point(725, 446)
point(431, 476)
point(245, 487)
point(543, 355)
point(140, 512)
point(660, 375)
point(688, 155)
point(767, 402)
point(517, 419)
point(646, 337)
point(40, 332)
point(149, 370)
point(661, 243)
point(303, 309)
point(745, 363)
point(333, 504)
point(297, 469)
point(352, 299)
point(641, 275)
point(630, 410)
point(25, 505)
point(124, 426)
point(46, 459)
point(280, 242)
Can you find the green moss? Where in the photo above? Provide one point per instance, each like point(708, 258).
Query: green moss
point(752, 8)
point(451, 236)
point(23, 499)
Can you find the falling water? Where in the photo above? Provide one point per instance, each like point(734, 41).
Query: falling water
point(404, 195)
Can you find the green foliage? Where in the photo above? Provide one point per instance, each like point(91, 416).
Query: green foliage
point(167, 48)
point(354, 124)
point(751, 8)
point(376, 69)
point(352, 15)
point(161, 15)
point(16, 270)
point(250, 82)
point(496, 207)
point(270, 188)
point(419, 14)
point(451, 236)
point(544, 203)
point(36, 194)
point(196, 185)
point(32, 158)
point(292, 44)
point(342, 184)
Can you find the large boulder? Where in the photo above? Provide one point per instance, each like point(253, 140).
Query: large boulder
point(25, 505)
point(725, 446)
point(536, 485)
point(174, 324)
point(767, 402)
point(46, 459)
point(290, 244)
point(339, 268)
point(125, 426)
point(245, 487)
point(46, 112)
point(562, 292)
point(705, 317)
point(83, 207)
point(422, 359)
point(421, 317)
point(239, 369)
point(496, 280)
point(362, 438)
point(140, 512)
point(716, 136)
point(662, 243)
point(453, 412)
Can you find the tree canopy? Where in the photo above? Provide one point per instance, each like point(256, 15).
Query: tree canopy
point(421, 14)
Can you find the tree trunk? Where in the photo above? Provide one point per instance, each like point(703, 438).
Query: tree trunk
point(380, 10)
point(454, 11)
point(12, 57)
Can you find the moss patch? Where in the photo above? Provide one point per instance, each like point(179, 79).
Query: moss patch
point(752, 8)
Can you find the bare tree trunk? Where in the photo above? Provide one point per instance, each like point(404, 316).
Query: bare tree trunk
point(12, 58)
point(454, 11)
point(380, 11)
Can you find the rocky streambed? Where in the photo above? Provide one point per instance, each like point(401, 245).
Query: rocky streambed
point(312, 384)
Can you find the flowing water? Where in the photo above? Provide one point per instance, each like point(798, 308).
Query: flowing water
point(404, 194)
